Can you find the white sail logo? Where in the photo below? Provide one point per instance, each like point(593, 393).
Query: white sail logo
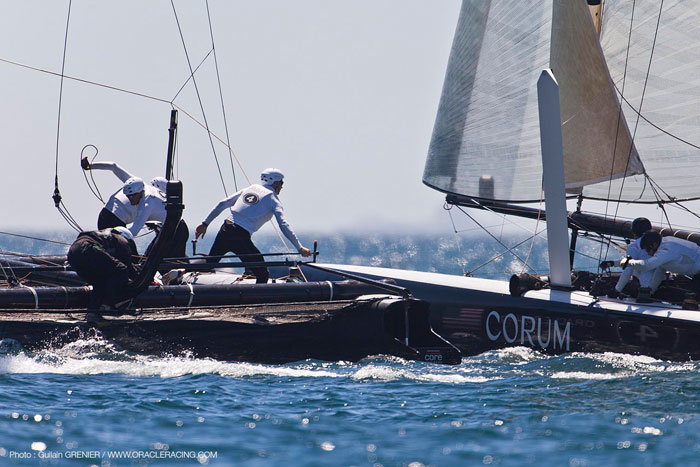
point(527, 330)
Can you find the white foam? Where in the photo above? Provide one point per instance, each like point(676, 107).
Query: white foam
point(380, 373)
point(589, 376)
point(171, 367)
point(93, 356)
point(384, 373)
point(518, 355)
point(455, 379)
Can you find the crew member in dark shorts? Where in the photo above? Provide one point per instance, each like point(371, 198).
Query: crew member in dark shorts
point(251, 208)
point(103, 259)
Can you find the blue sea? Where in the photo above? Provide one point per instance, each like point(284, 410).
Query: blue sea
point(89, 403)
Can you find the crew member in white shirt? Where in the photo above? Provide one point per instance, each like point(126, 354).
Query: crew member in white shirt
point(251, 208)
point(136, 203)
point(634, 251)
point(665, 254)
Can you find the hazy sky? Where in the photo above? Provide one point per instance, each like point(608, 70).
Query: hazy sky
point(341, 96)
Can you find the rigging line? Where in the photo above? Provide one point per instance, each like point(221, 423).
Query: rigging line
point(221, 98)
point(644, 90)
point(85, 81)
point(95, 191)
point(12, 271)
point(33, 238)
point(617, 133)
point(56, 192)
point(279, 235)
point(93, 187)
point(237, 160)
point(199, 97)
point(504, 216)
point(472, 229)
point(459, 246)
point(60, 92)
point(537, 224)
point(685, 209)
point(666, 132)
point(663, 208)
point(656, 188)
point(206, 124)
point(69, 218)
point(494, 237)
point(137, 94)
point(190, 77)
point(134, 93)
point(191, 117)
point(4, 255)
point(531, 237)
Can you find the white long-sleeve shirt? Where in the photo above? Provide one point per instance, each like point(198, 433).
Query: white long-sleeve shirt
point(634, 251)
point(252, 207)
point(116, 169)
point(150, 208)
point(674, 255)
point(119, 205)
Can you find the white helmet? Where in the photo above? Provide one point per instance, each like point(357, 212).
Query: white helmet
point(270, 176)
point(126, 233)
point(160, 183)
point(132, 186)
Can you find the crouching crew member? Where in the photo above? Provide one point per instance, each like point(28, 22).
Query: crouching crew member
point(122, 206)
point(103, 259)
point(250, 209)
point(665, 254)
point(634, 251)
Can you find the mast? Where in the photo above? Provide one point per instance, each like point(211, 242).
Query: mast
point(553, 180)
point(594, 6)
point(173, 208)
point(172, 140)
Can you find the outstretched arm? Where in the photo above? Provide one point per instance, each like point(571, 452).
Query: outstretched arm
point(287, 230)
point(658, 260)
point(117, 170)
point(201, 229)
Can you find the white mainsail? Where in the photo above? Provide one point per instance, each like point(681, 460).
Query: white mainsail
point(487, 124)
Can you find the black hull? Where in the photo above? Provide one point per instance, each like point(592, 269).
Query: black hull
point(188, 296)
point(552, 328)
point(267, 333)
point(479, 315)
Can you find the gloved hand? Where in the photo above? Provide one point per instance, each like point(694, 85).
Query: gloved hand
point(157, 279)
point(84, 163)
point(606, 265)
point(624, 262)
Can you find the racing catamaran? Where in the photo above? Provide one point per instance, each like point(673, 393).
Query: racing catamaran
point(622, 92)
point(627, 79)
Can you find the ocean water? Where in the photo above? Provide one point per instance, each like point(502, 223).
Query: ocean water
point(89, 403)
